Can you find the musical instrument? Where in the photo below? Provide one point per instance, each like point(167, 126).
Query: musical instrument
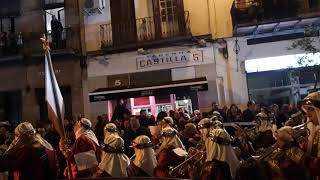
point(298, 132)
point(195, 155)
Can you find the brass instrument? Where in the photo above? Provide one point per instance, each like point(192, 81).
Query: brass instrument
point(298, 132)
point(195, 154)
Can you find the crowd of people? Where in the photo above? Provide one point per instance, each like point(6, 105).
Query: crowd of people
point(283, 144)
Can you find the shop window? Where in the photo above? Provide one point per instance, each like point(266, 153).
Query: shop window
point(141, 101)
point(163, 99)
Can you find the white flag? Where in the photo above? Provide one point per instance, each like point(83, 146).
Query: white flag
point(54, 97)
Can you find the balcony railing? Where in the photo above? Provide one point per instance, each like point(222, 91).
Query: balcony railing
point(253, 11)
point(10, 44)
point(144, 30)
point(14, 44)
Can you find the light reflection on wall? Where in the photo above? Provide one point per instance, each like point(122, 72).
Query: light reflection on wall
point(279, 62)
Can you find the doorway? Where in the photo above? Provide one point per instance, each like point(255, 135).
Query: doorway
point(57, 34)
point(11, 107)
point(42, 103)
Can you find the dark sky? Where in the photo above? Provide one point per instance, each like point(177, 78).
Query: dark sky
point(9, 7)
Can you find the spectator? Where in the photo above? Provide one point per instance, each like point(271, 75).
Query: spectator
point(98, 130)
point(120, 110)
point(52, 136)
point(161, 115)
point(56, 31)
point(234, 113)
point(274, 113)
point(176, 117)
point(145, 120)
point(196, 117)
point(249, 114)
point(283, 116)
point(134, 131)
point(215, 107)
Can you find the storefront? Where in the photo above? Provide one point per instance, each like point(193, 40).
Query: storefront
point(158, 97)
point(166, 79)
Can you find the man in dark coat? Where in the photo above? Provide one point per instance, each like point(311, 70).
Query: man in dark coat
point(56, 31)
point(248, 115)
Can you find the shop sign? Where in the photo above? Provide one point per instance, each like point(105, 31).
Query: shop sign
point(147, 93)
point(99, 98)
point(198, 88)
point(176, 57)
point(118, 80)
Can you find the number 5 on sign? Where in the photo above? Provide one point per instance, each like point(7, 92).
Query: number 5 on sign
point(117, 82)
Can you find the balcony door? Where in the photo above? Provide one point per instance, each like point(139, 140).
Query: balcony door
point(169, 18)
point(55, 28)
point(123, 22)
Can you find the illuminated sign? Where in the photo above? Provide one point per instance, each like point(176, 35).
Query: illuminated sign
point(176, 57)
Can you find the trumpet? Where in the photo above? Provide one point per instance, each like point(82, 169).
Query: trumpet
point(195, 153)
point(298, 132)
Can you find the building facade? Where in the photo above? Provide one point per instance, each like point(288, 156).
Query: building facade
point(266, 32)
point(23, 23)
point(162, 55)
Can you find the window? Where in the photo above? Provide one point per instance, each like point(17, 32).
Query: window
point(162, 99)
point(7, 25)
point(141, 101)
point(58, 13)
point(167, 10)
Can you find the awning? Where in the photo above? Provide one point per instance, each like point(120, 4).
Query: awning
point(172, 87)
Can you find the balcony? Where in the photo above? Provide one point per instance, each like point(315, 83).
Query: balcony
point(52, 4)
point(248, 12)
point(16, 46)
point(10, 47)
point(145, 31)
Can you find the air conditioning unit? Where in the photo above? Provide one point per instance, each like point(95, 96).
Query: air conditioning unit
point(93, 6)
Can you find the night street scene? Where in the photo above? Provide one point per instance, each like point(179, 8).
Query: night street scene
point(160, 89)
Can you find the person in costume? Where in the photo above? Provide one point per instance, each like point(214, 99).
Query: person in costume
point(29, 156)
point(82, 155)
point(169, 137)
point(311, 145)
point(114, 160)
point(219, 149)
point(145, 159)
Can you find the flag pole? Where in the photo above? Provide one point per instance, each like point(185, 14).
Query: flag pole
point(55, 89)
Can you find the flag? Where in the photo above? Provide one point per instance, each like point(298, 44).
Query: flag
point(53, 96)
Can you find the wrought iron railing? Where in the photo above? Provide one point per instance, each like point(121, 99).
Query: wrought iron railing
point(144, 30)
point(252, 11)
point(10, 44)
